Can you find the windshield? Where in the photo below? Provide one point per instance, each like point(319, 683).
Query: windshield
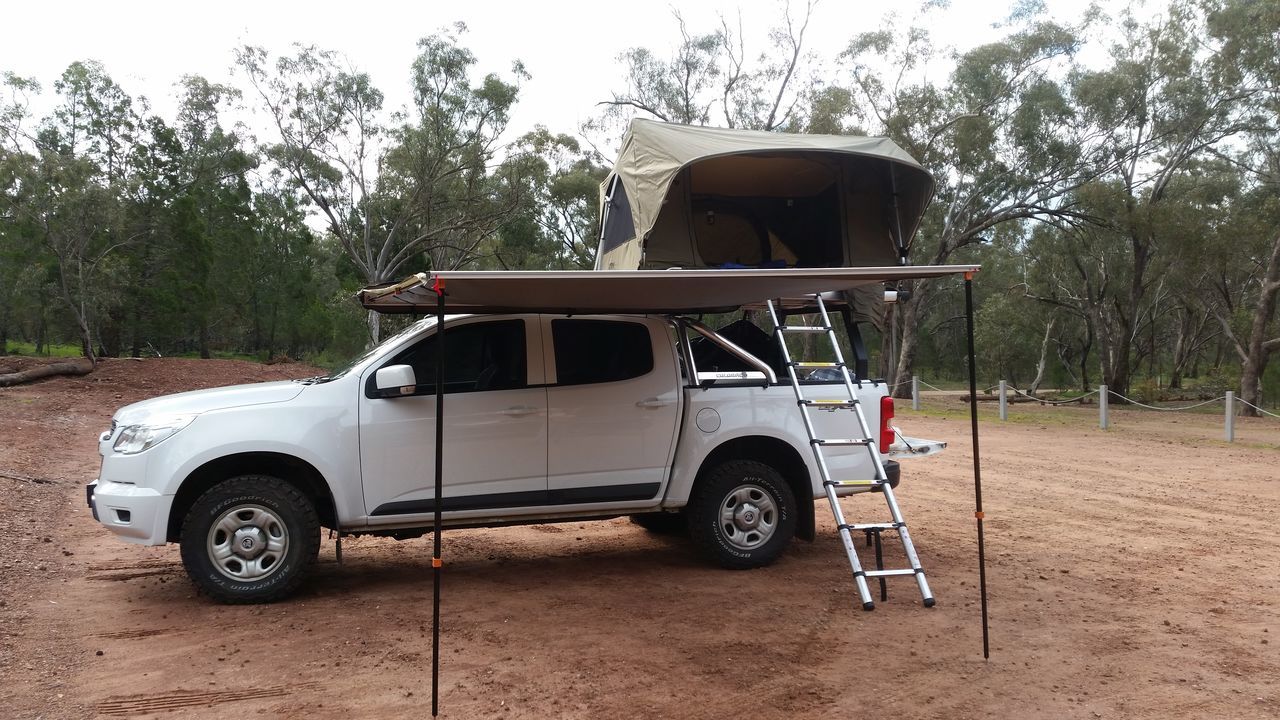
point(412, 329)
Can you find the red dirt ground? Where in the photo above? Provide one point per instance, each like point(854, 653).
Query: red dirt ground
point(1133, 574)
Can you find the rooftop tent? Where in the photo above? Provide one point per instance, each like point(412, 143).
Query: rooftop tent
point(695, 197)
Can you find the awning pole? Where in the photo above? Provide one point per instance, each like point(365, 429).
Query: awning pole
point(977, 466)
point(436, 563)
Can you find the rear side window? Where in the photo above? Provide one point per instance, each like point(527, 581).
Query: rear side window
point(478, 357)
point(600, 351)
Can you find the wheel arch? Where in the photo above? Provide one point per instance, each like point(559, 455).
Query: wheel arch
point(293, 470)
point(778, 455)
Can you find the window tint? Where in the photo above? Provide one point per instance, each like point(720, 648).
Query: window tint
point(599, 351)
point(478, 356)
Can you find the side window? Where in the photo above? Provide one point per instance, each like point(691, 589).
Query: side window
point(600, 351)
point(479, 356)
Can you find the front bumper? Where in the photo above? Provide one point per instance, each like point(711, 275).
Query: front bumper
point(135, 514)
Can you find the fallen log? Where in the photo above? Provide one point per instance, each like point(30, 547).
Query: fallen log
point(44, 371)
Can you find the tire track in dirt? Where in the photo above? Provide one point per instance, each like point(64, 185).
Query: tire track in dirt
point(137, 633)
point(139, 565)
point(120, 577)
point(131, 571)
point(164, 702)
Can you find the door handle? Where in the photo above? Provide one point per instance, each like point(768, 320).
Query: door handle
point(653, 402)
point(520, 411)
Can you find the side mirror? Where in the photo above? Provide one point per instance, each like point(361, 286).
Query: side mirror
point(395, 380)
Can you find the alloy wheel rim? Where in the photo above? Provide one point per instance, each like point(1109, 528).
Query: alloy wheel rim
point(748, 516)
point(248, 543)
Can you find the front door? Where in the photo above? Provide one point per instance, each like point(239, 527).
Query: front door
point(495, 431)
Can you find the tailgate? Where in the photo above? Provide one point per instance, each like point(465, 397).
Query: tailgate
point(905, 447)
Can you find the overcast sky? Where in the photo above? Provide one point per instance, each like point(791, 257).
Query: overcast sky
point(570, 47)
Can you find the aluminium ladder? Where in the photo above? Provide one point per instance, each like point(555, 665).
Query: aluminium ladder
point(881, 480)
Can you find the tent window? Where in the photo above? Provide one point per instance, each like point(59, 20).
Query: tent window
point(769, 210)
point(617, 224)
point(600, 351)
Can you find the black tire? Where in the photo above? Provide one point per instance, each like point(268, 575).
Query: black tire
point(719, 491)
point(662, 523)
point(266, 509)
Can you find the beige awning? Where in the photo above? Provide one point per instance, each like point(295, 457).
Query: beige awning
point(628, 291)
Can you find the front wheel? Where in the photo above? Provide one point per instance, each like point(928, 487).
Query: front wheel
point(250, 539)
point(742, 515)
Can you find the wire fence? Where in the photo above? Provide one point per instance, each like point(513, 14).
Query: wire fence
point(1042, 401)
point(1230, 409)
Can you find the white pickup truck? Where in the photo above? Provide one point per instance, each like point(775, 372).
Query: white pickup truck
point(548, 418)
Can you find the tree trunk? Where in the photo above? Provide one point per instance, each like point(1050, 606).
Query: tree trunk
point(135, 346)
point(375, 328)
point(1182, 342)
point(909, 312)
point(204, 338)
point(1044, 358)
point(1084, 358)
point(1259, 349)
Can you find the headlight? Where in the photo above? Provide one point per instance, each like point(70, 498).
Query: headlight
point(133, 439)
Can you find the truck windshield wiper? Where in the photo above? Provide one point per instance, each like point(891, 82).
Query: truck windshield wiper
point(318, 379)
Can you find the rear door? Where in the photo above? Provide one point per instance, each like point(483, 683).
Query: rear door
point(612, 408)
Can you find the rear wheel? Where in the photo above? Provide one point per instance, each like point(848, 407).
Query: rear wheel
point(742, 514)
point(250, 539)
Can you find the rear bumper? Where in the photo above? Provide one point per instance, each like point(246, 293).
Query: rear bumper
point(129, 511)
point(894, 471)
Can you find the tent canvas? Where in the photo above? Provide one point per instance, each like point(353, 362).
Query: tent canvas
point(685, 196)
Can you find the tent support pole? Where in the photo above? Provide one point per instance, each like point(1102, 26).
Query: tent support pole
point(897, 218)
point(436, 563)
point(977, 466)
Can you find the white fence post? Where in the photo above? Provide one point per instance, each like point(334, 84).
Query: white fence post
point(915, 393)
point(1004, 401)
point(1103, 396)
point(1231, 416)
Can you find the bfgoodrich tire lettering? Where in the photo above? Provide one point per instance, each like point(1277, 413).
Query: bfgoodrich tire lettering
point(267, 510)
point(742, 515)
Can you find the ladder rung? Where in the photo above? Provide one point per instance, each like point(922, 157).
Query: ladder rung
point(854, 483)
point(803, 328)
point(859, 527)
point(891, 573)
point(830, 403)
point(841, 441)
point(816, 364)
